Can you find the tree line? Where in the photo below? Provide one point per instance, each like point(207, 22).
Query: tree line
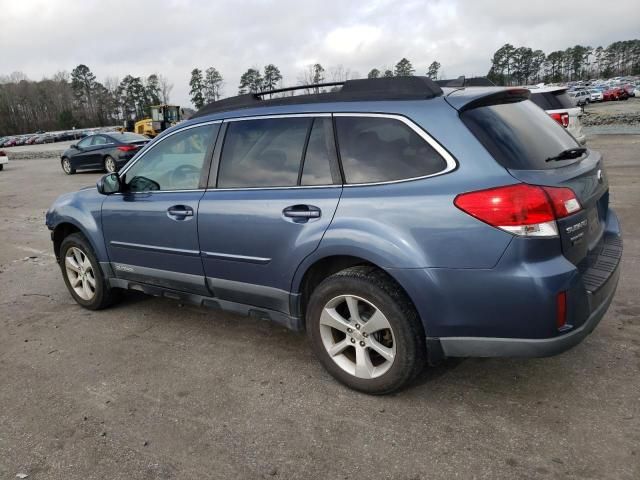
point(76, 100)
point(207, 87)
point(524, 66)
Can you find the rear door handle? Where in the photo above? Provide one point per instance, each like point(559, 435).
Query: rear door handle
point(302, 213)
point(180, 212)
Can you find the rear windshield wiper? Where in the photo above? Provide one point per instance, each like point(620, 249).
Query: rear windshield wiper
point(568, 154)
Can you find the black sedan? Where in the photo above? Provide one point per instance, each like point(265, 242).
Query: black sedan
point(106, 151)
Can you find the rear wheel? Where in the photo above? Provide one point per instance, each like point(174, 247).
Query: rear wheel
point(110, 164)
point(1, 167)
point(365, 331)
point(82, 273)
point(66, 166)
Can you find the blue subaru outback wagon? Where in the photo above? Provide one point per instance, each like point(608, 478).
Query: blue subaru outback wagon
point(396, 222)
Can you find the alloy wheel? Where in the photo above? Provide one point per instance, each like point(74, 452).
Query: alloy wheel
point(357, 336)
point(80, 273)
point(110, 165)
point(66, 165)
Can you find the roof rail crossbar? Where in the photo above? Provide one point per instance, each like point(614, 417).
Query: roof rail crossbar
point(313, 86)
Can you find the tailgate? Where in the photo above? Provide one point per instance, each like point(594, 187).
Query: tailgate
point(581, 232)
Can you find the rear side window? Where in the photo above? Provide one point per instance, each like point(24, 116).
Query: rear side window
point(552, 100)
point(520, 135)
point(378, 149)
point(263, 152)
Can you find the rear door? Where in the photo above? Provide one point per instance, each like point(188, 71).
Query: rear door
point(274, 189)
point(525, 141)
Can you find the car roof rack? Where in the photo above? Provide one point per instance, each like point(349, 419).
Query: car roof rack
point(366, 89)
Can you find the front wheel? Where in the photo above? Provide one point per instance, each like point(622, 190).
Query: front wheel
point(110, 164)
point(365, 331)
point(66, 166)
point(82, 274)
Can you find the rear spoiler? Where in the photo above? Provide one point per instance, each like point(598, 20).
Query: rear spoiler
point(509, 95)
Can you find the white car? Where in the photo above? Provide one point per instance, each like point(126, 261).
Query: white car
point(561, 107)
point(3, 159)
point(596, 95)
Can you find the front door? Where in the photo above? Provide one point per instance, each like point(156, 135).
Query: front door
point(151, 229)
point(278, 186)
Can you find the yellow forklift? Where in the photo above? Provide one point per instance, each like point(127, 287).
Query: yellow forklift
point(162, 118)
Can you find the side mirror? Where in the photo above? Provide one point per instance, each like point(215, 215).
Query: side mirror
point(109, 183)
point(74, 146)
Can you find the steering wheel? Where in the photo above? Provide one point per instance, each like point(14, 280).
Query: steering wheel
point(185, 176)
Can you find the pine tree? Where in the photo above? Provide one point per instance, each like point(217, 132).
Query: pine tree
point(432, 71)
point(212, 85)
point(197, 87)
point(250, 82)
point(272, 77)
point(403, 68)
point(374, 73)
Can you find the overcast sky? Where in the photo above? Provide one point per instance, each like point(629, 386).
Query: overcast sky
point(118, 37)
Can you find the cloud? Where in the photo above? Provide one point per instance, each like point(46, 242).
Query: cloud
point(172, 37)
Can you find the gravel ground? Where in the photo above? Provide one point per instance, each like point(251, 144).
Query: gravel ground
point(612, 117)
point(152, 389)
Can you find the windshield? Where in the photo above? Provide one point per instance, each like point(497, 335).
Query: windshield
point(520, 135)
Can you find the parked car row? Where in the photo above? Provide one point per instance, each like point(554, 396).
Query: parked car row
point(49, 137)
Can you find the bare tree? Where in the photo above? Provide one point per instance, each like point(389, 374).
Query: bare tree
point(165, 88)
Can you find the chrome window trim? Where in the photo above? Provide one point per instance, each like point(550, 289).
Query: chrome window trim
point(451, 163)
point(278, 115)
point(295, 187)
point(154, 144)
point(159, 191)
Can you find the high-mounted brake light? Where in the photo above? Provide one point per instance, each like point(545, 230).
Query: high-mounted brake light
point(127, 148)
point(562, 118)
point(521, 209)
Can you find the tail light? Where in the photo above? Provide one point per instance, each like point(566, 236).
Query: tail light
point(521, 209)
point(562, 118)
point(127, 148)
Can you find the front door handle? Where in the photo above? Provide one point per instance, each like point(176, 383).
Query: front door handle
point(180, 212)
point(302, 213)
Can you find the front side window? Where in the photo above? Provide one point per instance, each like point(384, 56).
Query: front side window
point(378, 149)
point(263, 152)
point(175, 163)
point(85, 142)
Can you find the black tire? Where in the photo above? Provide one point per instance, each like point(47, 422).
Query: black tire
point(1, 167)
point(107, 161)
point(104, 294)
point(375, 286)
point(68, 171)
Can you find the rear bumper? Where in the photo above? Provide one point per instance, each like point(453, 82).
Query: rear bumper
point(525, 347)
point(510, 310)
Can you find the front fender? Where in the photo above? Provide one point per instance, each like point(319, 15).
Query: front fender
point(81, 209)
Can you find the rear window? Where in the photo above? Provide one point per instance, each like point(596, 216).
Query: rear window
point(377, 149)
point(127, 137)
point(552, 100)
point(520, 135)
